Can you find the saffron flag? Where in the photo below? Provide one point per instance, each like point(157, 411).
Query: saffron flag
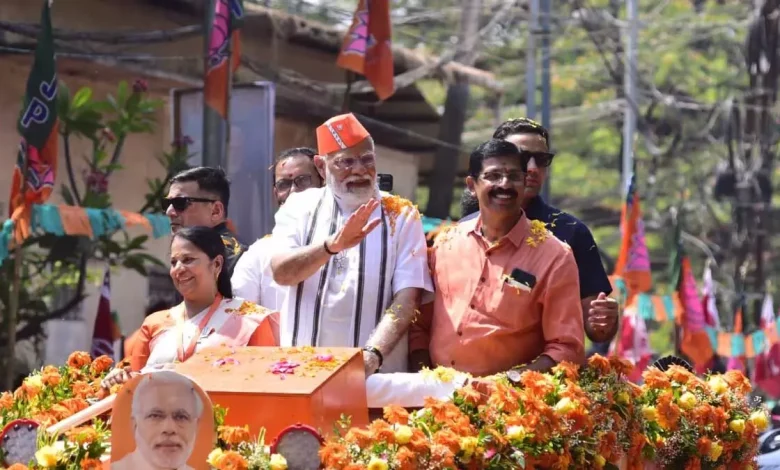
point(38, 125)
point(695, 342)
point(106, 331)
point(367, 48)
point(224, 52)
point(633, 263)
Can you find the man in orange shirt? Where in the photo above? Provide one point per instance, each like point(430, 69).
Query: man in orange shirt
point(507, 290)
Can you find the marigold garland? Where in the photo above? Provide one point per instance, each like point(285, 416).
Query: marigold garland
point(394, 206)
point(570, 418)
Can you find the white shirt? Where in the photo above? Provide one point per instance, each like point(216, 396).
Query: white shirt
point(252, 277)
point(337, 319)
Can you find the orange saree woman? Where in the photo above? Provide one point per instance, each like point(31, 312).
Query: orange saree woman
point(209, 316)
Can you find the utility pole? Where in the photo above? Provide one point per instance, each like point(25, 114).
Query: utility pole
point(453, 120)
point(530, 63)
point(545, 24)
point(629, 85)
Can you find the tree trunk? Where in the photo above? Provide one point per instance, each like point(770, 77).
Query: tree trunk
point(445, 167)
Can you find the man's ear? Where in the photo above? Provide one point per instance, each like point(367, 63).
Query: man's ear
point(319, 163)
point(470, 184)
point(218, 211)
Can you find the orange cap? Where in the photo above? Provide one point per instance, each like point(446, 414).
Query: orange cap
point(339, 133)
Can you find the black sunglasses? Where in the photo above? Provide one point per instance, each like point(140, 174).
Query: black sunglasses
point(181, 203)
point(542, 159)
point(301, 182)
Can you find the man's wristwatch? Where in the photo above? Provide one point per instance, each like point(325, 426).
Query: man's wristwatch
point(377, 353)
point(513, 375)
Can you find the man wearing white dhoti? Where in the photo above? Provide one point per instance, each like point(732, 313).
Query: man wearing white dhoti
point(353, 258)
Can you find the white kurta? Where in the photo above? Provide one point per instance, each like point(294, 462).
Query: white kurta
point(341, 304)
point(252, 277)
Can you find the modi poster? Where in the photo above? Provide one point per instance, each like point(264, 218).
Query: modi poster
point(162, 419)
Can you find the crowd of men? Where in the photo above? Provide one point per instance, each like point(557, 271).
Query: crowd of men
point(516, 284)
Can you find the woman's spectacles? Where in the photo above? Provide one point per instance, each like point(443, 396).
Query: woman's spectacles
point(301, 182)
point(542, 159)
point(347, 163)
point(495, 177)
point(181, 203)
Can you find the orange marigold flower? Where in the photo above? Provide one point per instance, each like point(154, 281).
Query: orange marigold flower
point(82, 435)
point(738, 382)
point(334, 455)
point(419, 443)
point(406, 459)
point(231, 460)
point(654, 378)
point(679, 374)
point(82, 389)
point(91, 464)
point(569, 370)
point(6, 401)
point(234, 435)
point(448, 439)
point(395, 414)
point(50, 376)
point(668, 412)
point(75, 404)
point(600, 364)
point(360, 437)
point(703, 446)
point(620, 365)
point(382, 431)
point(18, 466)
point(45, 418)
point(101, 364)
point(79, 359)
point(537, 383)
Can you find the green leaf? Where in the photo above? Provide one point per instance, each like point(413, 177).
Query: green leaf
point(122, 93)
point(137, 242)
point(136, 264)
point(81, 97)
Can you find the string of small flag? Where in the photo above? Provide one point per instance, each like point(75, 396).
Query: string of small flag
point(83, 221)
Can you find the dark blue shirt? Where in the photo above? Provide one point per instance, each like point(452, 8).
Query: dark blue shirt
point(569, 229)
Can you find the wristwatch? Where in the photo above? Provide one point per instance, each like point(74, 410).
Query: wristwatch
point(377, 353)
point(513, 375)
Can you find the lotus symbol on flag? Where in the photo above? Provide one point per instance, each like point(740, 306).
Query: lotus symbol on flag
point(220, 32)
point(361, 40)
point(39, 174)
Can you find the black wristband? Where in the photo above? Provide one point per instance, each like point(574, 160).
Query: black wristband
point(378, 353)
point(327, 250)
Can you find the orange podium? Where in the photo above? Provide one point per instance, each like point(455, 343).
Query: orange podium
point(273, 388)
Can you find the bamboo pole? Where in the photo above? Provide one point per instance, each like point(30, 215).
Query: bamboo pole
point(13, 297)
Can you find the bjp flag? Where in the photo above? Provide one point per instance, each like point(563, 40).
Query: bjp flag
point(36, 163)
point(224, 53)
point(367, 48)
point(633, 263)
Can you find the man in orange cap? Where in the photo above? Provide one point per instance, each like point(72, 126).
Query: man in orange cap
point(353, 259)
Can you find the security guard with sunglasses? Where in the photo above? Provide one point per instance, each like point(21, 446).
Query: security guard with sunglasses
point(600, 311)
point(199, 197)
point(294, 172)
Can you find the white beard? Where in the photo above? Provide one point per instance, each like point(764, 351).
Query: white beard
point(350, 198)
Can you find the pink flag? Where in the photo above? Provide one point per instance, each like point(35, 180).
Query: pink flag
point(711, 315)
point(766, 373)
point(633, 342)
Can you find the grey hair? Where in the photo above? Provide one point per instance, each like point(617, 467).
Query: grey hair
point(165, 377)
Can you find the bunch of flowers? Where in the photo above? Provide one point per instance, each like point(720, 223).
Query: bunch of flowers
point(55, 393)
point(570, 418)
point(236, 450)
point(692, 423)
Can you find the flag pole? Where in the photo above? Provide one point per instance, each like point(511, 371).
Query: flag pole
point(13, 298)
